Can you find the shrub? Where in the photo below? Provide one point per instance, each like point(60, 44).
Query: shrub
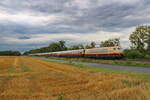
point(147, 56)
point(133, 54)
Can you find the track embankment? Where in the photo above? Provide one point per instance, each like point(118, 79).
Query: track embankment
point(108, 66)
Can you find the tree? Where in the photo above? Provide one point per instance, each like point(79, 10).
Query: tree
point(140, 38)
point(93, 44)
point(87, 46)
point(62, 45)
point(81, 46)
point(55, 46)
point(110, 42)
point(76, 47)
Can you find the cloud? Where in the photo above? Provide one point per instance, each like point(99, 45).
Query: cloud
point(70, 38)
point(23, 37)
point(38, 38)
point(39, 22)
point(30, 19)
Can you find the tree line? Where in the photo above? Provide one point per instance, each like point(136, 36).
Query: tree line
point(140, 45)
point(10, 53)
point(61, 46)
point(140, 48)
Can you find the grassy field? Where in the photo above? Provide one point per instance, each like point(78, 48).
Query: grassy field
point(124, 62)
point(23, 78)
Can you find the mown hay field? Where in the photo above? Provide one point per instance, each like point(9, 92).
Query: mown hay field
point(23, 78)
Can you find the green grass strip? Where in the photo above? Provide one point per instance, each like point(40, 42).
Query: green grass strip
point(12, 70)
point(25, 69)
point(124, 62)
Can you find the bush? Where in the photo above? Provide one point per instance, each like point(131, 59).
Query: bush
point(133, 54)
point(147, 56)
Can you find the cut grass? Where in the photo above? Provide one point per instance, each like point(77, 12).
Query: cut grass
point(61, 97)
point(25, 69)
point(66, 81)
point(105, 70)
point(125, 62)
point(2, 83)
point(12, 70)
point(131, 83)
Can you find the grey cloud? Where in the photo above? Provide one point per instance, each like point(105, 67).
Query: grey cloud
point(24, 37)
point(106, 17)
point(84, 16)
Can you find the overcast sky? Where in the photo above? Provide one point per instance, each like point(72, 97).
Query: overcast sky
point(27, 24)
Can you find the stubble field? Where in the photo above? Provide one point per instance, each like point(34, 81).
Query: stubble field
point(23, 78)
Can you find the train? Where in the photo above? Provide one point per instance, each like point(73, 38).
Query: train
point(114, 52)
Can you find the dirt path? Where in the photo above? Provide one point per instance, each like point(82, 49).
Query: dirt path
point(40, 80)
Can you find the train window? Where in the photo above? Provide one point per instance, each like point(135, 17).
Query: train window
point(114, 48)
point(119, 48)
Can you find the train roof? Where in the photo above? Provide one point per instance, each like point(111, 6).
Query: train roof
point(59, 52)
point(79, 50)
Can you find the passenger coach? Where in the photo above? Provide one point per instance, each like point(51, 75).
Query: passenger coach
point(103, 52)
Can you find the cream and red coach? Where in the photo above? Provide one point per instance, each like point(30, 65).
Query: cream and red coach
point(103, 52)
